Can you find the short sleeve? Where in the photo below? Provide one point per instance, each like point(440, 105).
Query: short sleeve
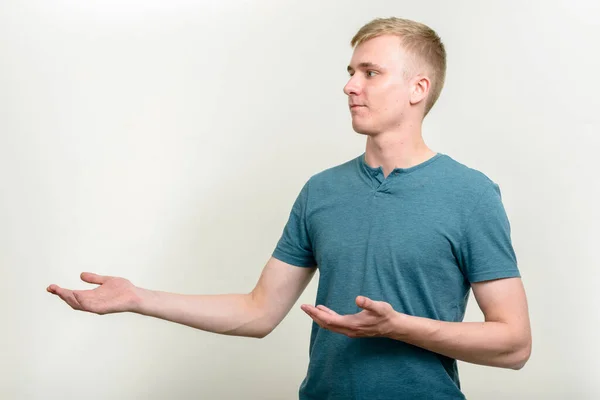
point(294, 246)
point(486, 251)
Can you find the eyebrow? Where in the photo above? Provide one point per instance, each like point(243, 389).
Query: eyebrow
point(365, 65)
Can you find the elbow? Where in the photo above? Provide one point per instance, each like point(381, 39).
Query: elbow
point(258, 335)
point(263, 321)
point(521, 355)
point(267, 329)
point(261, 334)
point(519, 364)
point(268, 325)
point(521, 359)
point(514, 353)
point(262, 327)
point(255, 332)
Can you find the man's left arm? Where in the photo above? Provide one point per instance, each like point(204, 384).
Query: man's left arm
point(503, 340)
point(487, 258)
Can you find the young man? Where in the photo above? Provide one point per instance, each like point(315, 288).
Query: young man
point(400, 235)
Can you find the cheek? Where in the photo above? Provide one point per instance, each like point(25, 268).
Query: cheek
point(386, 98)
point(394, 102)
point(385, 101)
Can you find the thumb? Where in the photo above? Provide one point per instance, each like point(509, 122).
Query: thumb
point(366, 303)
point(93, 278)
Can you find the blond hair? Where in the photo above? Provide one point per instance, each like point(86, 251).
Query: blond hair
point(419, 41)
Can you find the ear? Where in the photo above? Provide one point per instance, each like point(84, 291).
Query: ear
point(420, 86)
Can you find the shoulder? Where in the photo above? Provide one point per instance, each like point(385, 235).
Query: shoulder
point(335, 175)
point(466, 180)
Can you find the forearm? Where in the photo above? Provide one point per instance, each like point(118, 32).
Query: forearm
point(486, 343)
point(228, 314)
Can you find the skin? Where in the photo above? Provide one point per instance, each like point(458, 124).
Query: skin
point(389, 90)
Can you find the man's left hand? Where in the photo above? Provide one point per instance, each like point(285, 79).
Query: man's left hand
point(375, 319)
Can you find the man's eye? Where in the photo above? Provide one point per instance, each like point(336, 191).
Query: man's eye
point(371, 73)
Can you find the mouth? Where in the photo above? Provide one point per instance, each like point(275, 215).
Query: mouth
point(355, 109)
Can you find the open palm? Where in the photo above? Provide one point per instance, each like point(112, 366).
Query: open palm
point(113, 295)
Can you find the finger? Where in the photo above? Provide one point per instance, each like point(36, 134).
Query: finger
point(333, 320)
point(90, 277)
point(51, 288)
point(66, 295)
point(312, 315)
point(309, 308)
point(337, 328)
point(327, 310)
point(319, 316)
point(366, 303)
point(83, 298)
point(324, 321)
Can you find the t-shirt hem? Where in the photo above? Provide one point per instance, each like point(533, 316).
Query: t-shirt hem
point(496, 274)
point(295, 261)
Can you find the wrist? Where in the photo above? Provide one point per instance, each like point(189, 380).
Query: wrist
point(141, 300)
point(398, 326)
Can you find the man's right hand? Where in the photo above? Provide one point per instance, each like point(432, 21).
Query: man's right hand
point(112, 296)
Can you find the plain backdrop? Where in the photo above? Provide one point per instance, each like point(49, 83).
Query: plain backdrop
point(165, 142)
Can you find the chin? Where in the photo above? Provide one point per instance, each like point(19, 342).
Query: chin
point(364, 130)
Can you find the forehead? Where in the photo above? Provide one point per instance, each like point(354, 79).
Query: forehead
point(383, 50)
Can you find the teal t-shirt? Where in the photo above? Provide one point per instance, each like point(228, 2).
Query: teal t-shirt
point(415, 239)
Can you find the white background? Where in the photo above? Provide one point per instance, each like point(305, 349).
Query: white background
point(165, 142)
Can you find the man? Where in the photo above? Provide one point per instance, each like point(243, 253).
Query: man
point(400, 235)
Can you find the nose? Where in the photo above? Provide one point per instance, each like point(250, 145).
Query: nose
point(352, 87)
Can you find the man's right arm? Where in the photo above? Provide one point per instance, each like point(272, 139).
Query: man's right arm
point(253, 314)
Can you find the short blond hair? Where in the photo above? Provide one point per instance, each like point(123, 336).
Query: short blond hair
point(419, 41)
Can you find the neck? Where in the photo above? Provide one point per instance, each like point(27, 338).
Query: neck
point(397, 150)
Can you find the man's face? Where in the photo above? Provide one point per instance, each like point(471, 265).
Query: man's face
point(378, 91)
